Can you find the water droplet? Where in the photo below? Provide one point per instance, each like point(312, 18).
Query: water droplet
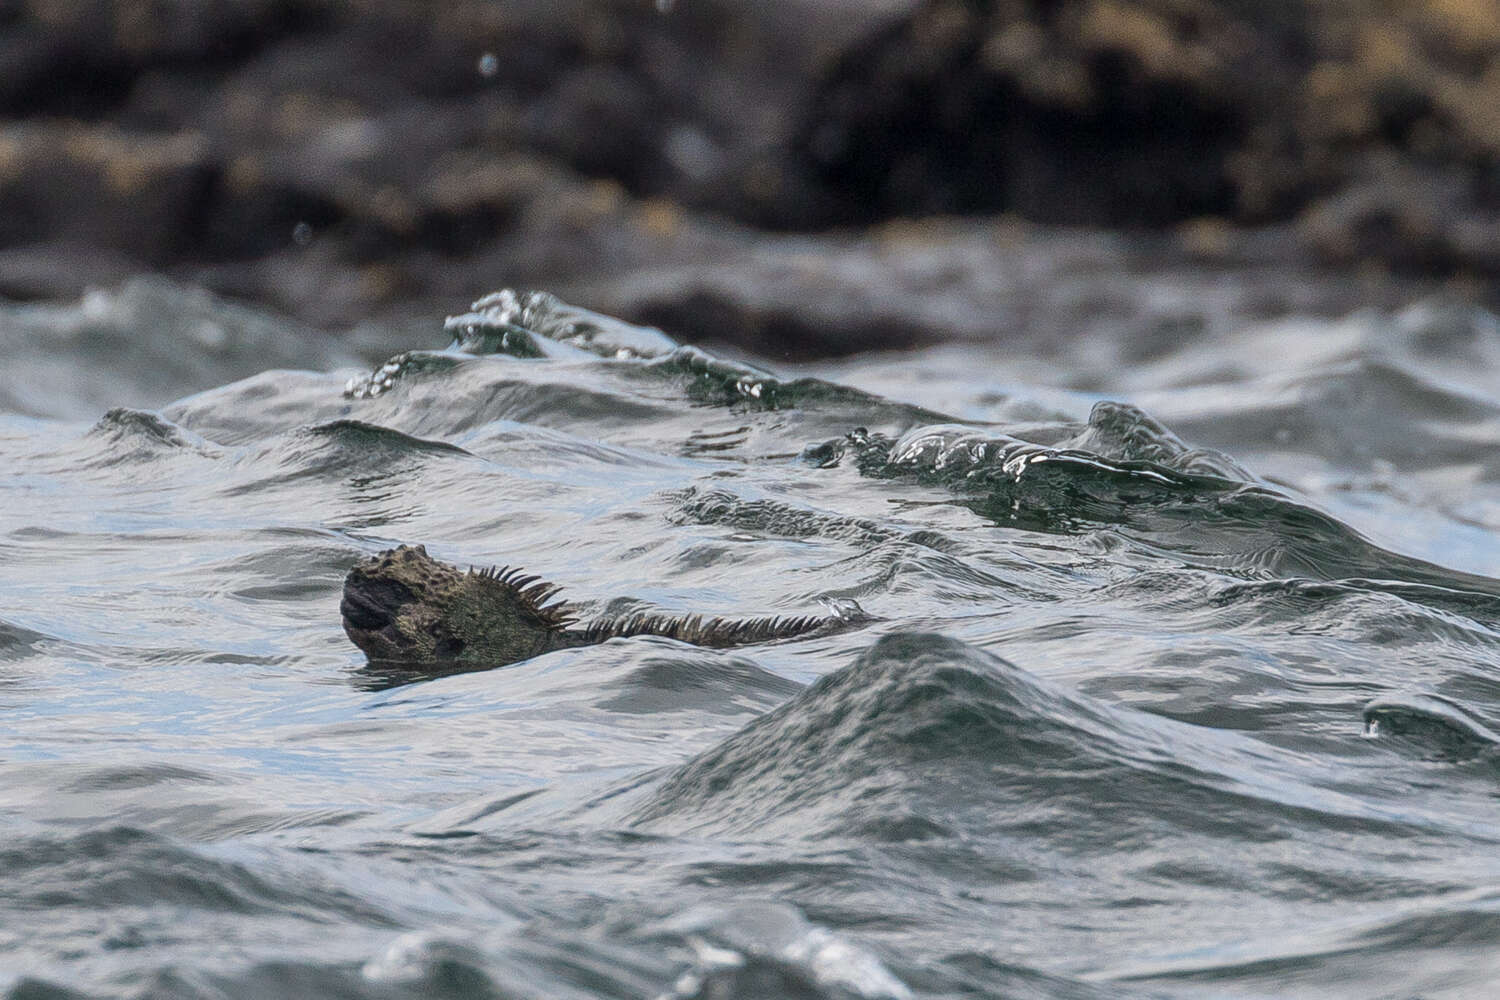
point(489, 64)
point(97, 304)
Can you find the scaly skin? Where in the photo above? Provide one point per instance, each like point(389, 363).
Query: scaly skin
point(403, 606)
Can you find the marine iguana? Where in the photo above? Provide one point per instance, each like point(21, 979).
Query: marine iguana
point(403, 606)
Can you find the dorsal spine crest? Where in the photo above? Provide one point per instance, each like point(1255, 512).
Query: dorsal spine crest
point(531, 593)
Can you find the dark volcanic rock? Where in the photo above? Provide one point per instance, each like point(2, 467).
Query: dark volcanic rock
point(345, 111)
point(370, 144)
point(342, 160)
point(1106, 112)
point(1089, 113)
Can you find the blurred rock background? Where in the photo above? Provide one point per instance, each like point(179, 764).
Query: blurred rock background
point(800, 177)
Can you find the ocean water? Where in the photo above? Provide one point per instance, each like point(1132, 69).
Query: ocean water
point(1182, 678)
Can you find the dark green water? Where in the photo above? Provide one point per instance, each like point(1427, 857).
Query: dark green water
point(1192, 693)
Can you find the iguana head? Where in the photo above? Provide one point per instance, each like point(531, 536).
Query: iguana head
point(403, 606)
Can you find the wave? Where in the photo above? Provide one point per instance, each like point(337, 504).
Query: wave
point(1430, 724)
point(121, 866)
point(634, 374)
point(924, 736)
point(1167, 503)
point(141, 344)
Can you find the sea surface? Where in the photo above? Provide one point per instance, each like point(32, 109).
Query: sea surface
point(1182, 677)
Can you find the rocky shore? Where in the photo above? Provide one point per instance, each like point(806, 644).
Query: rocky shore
point(802, 177)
